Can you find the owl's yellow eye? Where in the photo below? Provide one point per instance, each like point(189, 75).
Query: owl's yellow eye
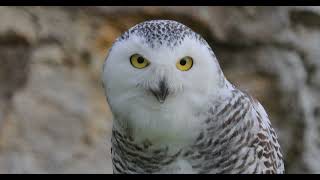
point(138, 61)
point(185, 63)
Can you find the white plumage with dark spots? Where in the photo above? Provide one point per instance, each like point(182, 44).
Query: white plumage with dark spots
point(175, 112)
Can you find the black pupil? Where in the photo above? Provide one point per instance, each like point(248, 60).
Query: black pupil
point(183, 62)
point(140, 60)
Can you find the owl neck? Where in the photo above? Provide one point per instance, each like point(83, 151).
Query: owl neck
point(158, 138)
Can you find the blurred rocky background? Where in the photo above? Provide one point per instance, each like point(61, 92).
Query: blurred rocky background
point(53, 113)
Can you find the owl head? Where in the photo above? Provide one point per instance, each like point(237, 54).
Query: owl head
point(159, 66)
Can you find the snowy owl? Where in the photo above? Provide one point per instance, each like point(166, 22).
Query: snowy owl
point(175, 112)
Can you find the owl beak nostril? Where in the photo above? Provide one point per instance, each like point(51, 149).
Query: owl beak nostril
point(162, 92)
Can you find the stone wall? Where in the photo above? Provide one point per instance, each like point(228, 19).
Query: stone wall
point(53, 113)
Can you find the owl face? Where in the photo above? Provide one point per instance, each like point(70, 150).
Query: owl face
point(159, 80)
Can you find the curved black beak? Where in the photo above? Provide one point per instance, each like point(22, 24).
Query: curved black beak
point(161, 92)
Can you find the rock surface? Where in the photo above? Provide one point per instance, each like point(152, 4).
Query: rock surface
point(53, 113)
